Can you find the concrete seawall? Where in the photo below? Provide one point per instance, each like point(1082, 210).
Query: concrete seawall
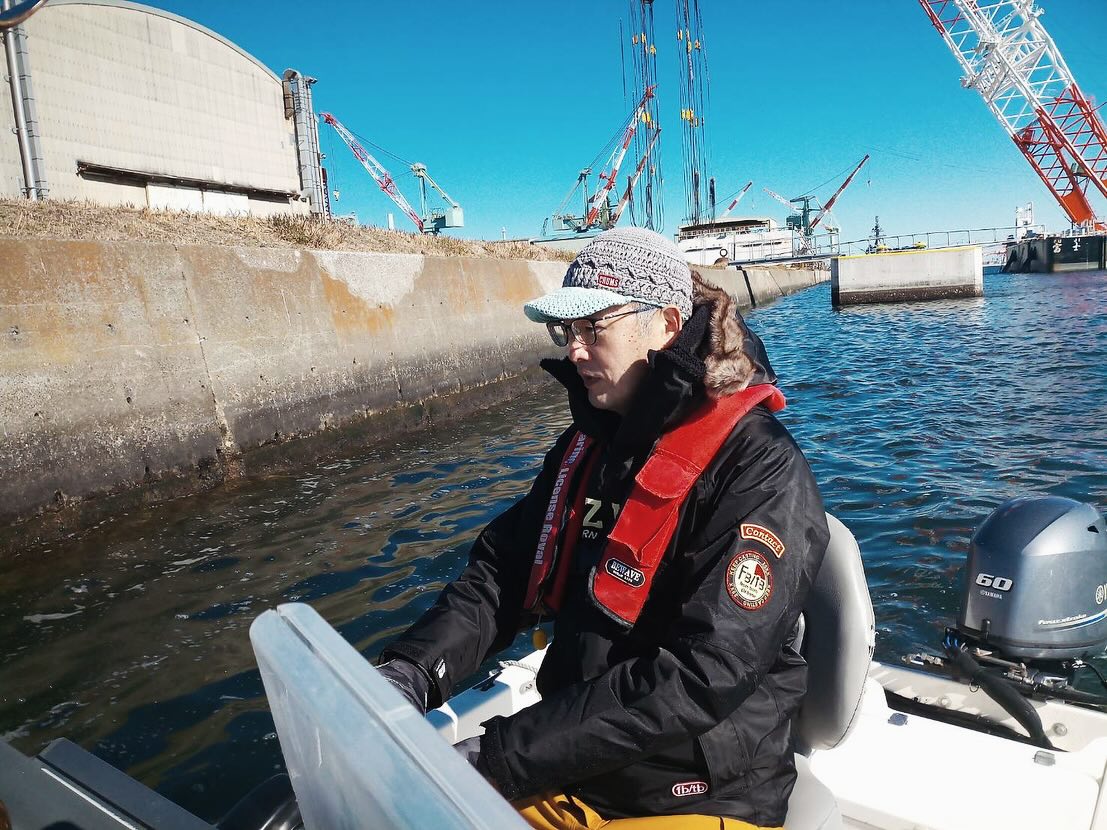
point(134, 372)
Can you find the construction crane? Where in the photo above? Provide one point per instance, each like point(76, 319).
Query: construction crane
point(737, 199)
point(632, 181)
point(451, 217)
point(1010, 59)
point(598, 212)
point(830, 202)
point(801, 219)
point(431, 221)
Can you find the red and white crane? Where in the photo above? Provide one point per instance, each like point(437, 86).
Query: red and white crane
point(608, 177)
point(431, 221)
point(802, 220)
point(1010, 59)
point(632, 181)
point(737, 199)
point(375, 169)
point(830, 202)
point(598, 212)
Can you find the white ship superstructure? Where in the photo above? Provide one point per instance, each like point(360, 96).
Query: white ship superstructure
point(739, 240)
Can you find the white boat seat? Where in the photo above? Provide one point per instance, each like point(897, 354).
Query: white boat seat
point(838, 639)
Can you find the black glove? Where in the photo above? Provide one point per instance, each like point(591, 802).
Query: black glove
point(410, 680)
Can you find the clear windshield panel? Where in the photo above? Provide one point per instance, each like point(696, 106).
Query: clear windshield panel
point(358, 754)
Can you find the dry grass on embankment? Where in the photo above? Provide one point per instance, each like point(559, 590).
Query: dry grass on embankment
point(22, 219)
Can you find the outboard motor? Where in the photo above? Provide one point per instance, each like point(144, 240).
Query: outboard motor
point(1034, 605)
point(1036, 582)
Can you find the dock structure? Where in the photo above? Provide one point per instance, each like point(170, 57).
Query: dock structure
point(907, 276)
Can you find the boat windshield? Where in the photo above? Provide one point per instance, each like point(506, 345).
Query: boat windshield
point(358, 754)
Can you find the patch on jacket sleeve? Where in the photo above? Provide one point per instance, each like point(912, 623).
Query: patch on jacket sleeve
point(757, 533)
point(749, 580)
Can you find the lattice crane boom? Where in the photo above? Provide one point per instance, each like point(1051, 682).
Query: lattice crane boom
point(1010, 59)
point(599, 199)
point(375, 169)
point(618, 212)
point(779, 198)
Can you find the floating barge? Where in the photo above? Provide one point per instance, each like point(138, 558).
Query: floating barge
point(1056, 254)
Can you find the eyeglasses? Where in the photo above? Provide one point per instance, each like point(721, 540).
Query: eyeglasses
point(584, 329)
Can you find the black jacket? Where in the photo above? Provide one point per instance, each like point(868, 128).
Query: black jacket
point(689, 710)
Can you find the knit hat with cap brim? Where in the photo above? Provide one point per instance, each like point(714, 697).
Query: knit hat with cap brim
point(619, 266)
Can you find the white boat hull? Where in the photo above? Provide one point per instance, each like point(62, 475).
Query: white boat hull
point(900, 771)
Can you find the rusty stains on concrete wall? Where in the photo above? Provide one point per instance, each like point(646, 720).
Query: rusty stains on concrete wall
point(127, 365)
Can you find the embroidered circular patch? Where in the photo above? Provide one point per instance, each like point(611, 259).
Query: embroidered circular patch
point(749, 580)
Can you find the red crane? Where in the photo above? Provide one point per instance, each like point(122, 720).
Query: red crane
point(1010, 59)
point(616, 159)
point(830, 202)
point(633, 180)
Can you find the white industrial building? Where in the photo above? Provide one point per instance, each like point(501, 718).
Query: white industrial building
point(120, 103)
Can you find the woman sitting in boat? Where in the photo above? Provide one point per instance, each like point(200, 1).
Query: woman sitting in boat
point(672, 536)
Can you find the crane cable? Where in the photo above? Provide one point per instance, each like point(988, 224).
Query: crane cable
point(643, 67)
point(386, 152)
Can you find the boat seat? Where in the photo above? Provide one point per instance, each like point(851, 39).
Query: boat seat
point(839, 636)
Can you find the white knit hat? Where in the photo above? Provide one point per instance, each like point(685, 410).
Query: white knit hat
point(619, 266)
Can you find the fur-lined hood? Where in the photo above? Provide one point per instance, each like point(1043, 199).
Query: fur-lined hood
point(733, 356)
point(727, 366)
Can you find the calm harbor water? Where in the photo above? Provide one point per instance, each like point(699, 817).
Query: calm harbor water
point(917, 418)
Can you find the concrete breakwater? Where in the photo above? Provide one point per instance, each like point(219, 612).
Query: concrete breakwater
point(907, 276)
point(133, 372)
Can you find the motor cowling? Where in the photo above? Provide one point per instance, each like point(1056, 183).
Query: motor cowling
point(1036, 582)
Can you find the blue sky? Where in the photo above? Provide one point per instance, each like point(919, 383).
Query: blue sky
point(506, 101)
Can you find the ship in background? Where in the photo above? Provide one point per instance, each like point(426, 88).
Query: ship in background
point(743, 239)
point(756, 238)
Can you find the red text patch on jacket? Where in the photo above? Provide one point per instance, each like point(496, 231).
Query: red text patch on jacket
point(757, 533)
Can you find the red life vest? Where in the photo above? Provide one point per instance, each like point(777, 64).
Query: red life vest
point(648, 520)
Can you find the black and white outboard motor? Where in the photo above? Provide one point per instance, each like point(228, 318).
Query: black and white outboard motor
point(1034, 605)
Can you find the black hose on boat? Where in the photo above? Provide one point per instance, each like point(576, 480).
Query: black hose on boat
point(1001, 692)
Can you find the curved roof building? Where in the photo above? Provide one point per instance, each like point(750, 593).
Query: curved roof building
point(126, 104)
